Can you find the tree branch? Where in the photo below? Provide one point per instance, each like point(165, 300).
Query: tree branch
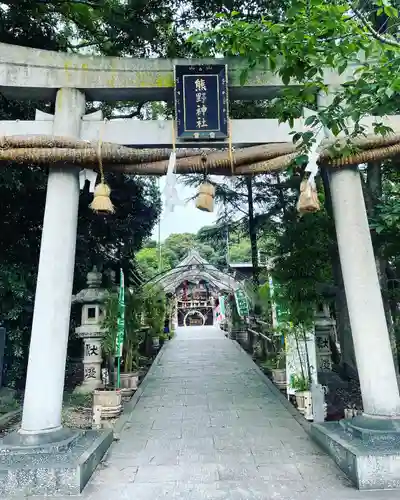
point(77, 2)
point(237, 207)
point(226, 189)
point(374, 33)
point(87, 44)
point(134, 114)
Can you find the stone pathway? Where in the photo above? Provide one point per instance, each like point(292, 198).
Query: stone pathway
point(209, 426)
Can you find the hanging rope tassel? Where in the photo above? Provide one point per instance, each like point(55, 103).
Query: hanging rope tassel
point(206, 194)
point(102, 203)
point(308, 200)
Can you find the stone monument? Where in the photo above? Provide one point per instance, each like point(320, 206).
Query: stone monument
point(92, 299)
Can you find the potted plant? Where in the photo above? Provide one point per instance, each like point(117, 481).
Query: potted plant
point(239, 328)
point(169, 309)
point(134, 335)
point(163, 338)
point(275, 367)
point(109, 397)
point(144, 366)
point(276, 359)
point(156, 342)
point(129, 377)
point(301, 385)
point(154, 308)
point(279, 370)
point(301, 382)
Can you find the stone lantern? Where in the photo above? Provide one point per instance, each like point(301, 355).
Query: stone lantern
point(92, 299)
point(324, 325)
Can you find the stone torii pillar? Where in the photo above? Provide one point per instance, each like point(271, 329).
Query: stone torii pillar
point(379, 388)
point(365, 447)
point(41, 432)
point(41, 419)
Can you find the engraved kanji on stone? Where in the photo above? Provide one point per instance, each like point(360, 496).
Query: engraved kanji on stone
point(322, 342)
point(90, 372)
point(325, 364)
point(92, 350)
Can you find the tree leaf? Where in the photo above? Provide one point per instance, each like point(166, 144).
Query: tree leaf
point(310, 120)
point(302, 159)
point(244, 76)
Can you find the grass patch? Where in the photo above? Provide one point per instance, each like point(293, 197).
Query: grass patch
point(78, 400)
point(8, 406)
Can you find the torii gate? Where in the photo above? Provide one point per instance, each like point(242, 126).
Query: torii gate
point(71, 80)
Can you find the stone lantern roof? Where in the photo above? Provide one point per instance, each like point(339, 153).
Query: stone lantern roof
point(93, 293)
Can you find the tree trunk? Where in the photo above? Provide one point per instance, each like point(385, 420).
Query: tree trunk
point(372, 195)
point(393, 289)
point(111, 369)
point(252, 232)
point(348, 362)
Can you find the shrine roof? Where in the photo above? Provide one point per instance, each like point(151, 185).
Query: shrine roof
point(195, 268)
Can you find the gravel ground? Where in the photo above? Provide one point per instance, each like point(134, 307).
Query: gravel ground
point(13, 425)
point(76, 413)
point(78, 418)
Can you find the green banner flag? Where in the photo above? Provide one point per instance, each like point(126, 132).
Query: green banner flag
point(121, 316)
point(242, 304)
point(120, 325)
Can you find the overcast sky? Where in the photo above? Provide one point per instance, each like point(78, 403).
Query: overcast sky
point(184, 219)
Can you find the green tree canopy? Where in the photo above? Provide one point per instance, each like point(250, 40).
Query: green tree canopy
point(107, 242)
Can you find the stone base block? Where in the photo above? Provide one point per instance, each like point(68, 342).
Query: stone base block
point(369, 465)
point(53, 472)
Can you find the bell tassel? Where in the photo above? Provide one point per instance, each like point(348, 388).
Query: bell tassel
point(102, 203)
point(101, 199)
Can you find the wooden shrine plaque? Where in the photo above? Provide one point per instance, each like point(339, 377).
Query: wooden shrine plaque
point(201, 101)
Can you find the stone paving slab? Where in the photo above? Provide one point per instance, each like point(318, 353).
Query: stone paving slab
point(208, 426)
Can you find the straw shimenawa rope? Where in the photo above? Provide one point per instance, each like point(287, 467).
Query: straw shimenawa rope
point(49, 150)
